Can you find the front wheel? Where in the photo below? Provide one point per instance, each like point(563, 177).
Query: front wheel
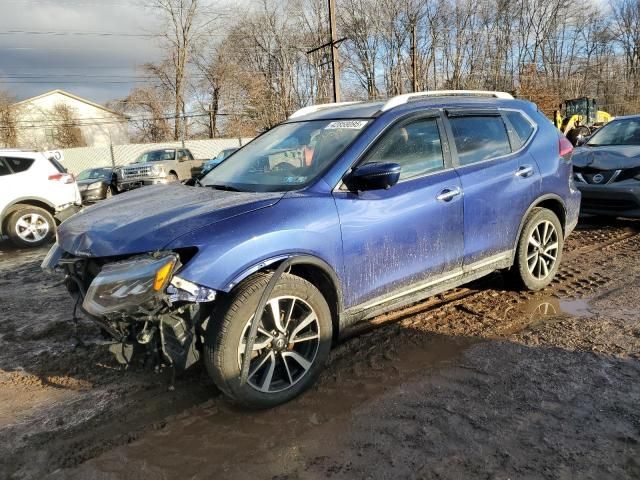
point(539, 250)
point(290, 349)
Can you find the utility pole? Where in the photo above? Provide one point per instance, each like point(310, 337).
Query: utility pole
point(334, 43)
point(335, 66)
point(414, 59)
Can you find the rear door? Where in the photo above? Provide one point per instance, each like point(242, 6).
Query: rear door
point(410, 233)
point(499, 181)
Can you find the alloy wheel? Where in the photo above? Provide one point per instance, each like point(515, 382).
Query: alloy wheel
point(32, 227)
point(542, 249)
point(285, 346)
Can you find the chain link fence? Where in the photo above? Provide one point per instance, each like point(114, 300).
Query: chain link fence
point(78, 159)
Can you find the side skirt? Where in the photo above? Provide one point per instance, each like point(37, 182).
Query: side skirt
point(417, 293)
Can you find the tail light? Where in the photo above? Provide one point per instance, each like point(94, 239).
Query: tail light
point(62, 178)
point(564, 146)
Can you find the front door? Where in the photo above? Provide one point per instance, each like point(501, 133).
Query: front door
point(410, 233)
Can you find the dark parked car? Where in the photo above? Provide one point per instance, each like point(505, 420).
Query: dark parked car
point(97, 184)
point(341, 213)
point(607, 169)
point(217, 160)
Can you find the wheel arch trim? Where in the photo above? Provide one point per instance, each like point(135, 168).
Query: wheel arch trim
point(295, 259)
point(543, 198)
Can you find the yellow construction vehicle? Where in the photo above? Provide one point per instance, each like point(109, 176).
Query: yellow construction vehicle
point(579, 118)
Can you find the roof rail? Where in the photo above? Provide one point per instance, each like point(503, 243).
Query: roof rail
point(402, 99)
point(316, 108)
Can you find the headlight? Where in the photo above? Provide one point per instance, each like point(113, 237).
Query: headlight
point(93, 185)
point(127, 285)
point(157, 170)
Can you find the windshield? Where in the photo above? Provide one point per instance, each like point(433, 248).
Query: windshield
point(94, 174)
point(288, 157)
point(223, 154)
point(618, 132)
point(157, 156)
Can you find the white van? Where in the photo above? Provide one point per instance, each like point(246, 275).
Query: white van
point(36, 192)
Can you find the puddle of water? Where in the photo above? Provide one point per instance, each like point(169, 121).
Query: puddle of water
point(547, 306)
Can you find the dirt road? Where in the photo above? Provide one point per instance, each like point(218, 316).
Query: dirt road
point(480, 382)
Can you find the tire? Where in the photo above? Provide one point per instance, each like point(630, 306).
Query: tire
point(20, 223)
point(172, 177)
point(531, 269)
point(230, 322)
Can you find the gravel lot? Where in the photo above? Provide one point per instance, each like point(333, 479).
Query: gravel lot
point(481, 382)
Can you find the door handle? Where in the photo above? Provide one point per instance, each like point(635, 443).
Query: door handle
point(524, 171)
point(448, 194)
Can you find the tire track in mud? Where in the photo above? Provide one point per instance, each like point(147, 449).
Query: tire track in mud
point(373, 361)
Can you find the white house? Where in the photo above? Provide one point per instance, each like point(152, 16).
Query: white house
point(39, 122)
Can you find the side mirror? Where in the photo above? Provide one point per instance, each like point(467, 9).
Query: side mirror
point(581, 140)
point(373, 176)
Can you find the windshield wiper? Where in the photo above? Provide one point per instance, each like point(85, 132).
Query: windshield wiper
point(226, 188)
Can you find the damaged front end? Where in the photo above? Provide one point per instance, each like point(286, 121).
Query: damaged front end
point(140, 303)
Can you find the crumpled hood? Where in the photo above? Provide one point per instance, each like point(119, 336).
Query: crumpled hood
point(607, 158)
point(148, 218)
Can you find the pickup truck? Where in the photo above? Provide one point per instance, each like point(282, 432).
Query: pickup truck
point(164, 165)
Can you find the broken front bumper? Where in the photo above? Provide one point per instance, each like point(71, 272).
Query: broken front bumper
point(140, 303)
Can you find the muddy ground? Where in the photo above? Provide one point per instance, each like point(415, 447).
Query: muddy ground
point(482, 382)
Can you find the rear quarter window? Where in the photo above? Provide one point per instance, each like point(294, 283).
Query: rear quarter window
point(522, 127)
point(17, 165)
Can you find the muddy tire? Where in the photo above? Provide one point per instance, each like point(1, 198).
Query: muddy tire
point(30, 227)
point(291, 347)
point(539, 250)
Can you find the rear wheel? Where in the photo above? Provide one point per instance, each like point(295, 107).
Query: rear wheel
point(172, 177)
point(539, 250)
point(290, 349)
point(30, 227)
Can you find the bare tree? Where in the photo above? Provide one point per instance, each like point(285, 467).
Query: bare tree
point(8, 122)
point(146, 106)
point(67, 131)
point(185, 26)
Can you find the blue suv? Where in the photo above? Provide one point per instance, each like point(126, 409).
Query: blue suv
point(341, 213)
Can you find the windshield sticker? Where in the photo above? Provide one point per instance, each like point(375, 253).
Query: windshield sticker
point(351, 124)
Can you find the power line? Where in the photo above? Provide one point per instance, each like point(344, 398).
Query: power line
point(60, 33)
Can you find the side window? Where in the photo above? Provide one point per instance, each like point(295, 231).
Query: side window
point(188, 154)
point(415, 146)
point(479, 137)
point(18, 165)
point(521, 126)
point(4, 169)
